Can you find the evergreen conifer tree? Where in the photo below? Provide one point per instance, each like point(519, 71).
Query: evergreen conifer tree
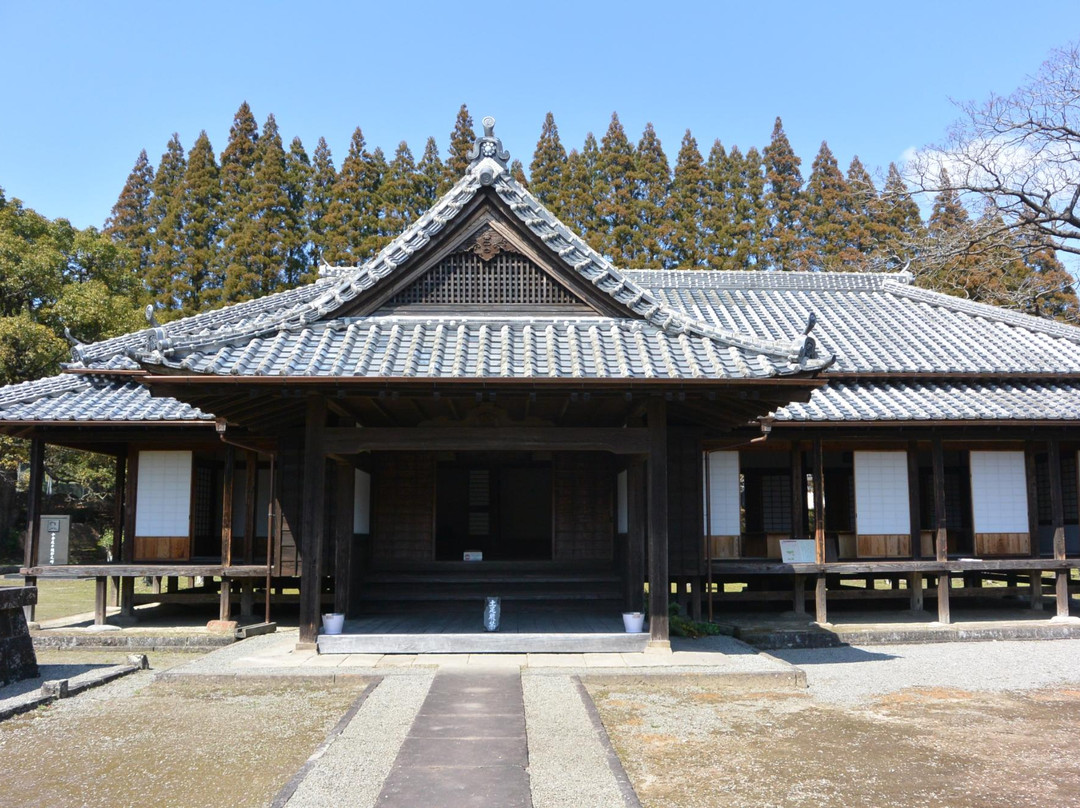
point(580, 192)
point(615, 204)
point(828, 215)
point(718, 217)
point(784, 201)
point(461, 143)
point(256, 241)
point(750, 214)
point(354, 233)
point(129, 223)
point(399, 196)
point(898, 225)
point(320, 198)
point(165, 219)
point(375, 234)
point(862, 237)
point(547, 172)
point(690, 195)
point(431, 172)
point(651, 189)
point(237, 174)
point(199, 281)
point(517, 171)
point(298, 179)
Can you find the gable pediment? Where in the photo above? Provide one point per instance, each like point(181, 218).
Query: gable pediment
point(484, 261)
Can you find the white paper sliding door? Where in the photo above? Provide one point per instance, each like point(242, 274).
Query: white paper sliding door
point(882, 510)
point(999, 503)
point(163, 506)
point(722, 506)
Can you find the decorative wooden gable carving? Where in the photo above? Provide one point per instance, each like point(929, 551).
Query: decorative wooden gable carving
point(487, 272)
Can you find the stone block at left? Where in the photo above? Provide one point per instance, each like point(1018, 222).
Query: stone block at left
point(17, 658)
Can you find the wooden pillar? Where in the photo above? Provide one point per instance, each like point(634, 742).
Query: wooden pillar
point(33, 504)
point(247, 597)
point(228, 478)
point(344, 495)
point(251, 499)
point(821, 612)
point(798, 492)
point(1035, 594)
point(800, 595)
point(131, 500)
point(127, 597)
point(941, 538)
point(312, 519)
point(659, 585)
point(101, 594)
point(915, 586)
point(914, 509)
point(1057, 520)
point(635, 538)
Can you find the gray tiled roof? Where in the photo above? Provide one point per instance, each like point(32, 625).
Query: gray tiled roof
point(578, 347)
point(873, 322)
point(938, 401)
point(668, 325)
point(73, 398)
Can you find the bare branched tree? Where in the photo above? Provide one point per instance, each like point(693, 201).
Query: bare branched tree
point(1022, 153)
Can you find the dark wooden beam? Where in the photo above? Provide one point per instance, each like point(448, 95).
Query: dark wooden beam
point(1035, 590)
point(914, 508)
point(798, 491)
point(344, 440)
point(659, 585)
point(33, 501)
point(314, 512)
point(251, 499)
point(345, 476)
point(228, 480)
point(101, 594)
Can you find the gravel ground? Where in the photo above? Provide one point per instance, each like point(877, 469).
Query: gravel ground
point(568, 764)
point(351, 772)
point(851, 675)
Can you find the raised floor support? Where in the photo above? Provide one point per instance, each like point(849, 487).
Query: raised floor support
point(101, 599)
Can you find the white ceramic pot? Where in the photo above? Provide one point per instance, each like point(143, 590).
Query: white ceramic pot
point(332, 622)
point(633, 622)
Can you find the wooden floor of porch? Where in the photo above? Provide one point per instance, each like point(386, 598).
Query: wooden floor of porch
point(522, 629)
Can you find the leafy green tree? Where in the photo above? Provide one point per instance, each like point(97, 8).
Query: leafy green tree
point(399, 195)
point(256, 241)
point(165, 220)
point(320, 198)
point(784, 246)
point(548, 169)
point(28, 349)
point(430, 173)
point(651, 189)
point(297, 185)
point(690, 202)
point(461, 142)
point(129, 223)
point(615, 203)
point(32, 259)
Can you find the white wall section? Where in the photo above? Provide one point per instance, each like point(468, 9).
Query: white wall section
point(999, 492)
point(163, 501)
point(723, 494)
point(881, 493)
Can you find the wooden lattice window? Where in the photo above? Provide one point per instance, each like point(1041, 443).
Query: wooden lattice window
point(464, 278)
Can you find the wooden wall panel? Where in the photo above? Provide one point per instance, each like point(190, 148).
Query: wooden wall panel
point(403, 499)
point(686, 488)
point(583, 488)
point(1002, 544)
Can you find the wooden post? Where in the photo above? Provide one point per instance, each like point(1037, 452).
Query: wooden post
point(127, 597)
point(119, 520)
point(312, 519)
point(1057, 519)
point(247, 597)
point(1035, 595)
point(131, 504)
point(915, 585)
point(635, 539)
point(798, 492)
point(659, 585)
point(343, 535)
point(914, 509)
point(228, 479)
point(33, 504)
point(941, 536)
point(800, 595)
point(1035, 581)
point(821, 612)
point(251, 498)
point(101, 593)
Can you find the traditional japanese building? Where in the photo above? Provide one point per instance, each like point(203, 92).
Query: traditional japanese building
point(489, 387)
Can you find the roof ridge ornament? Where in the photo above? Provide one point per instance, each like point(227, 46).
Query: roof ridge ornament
point(488, 146)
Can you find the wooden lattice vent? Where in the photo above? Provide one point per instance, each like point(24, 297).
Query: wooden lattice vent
point(486, 272)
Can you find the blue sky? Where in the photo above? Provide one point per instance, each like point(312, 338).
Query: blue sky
point(89, 84)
